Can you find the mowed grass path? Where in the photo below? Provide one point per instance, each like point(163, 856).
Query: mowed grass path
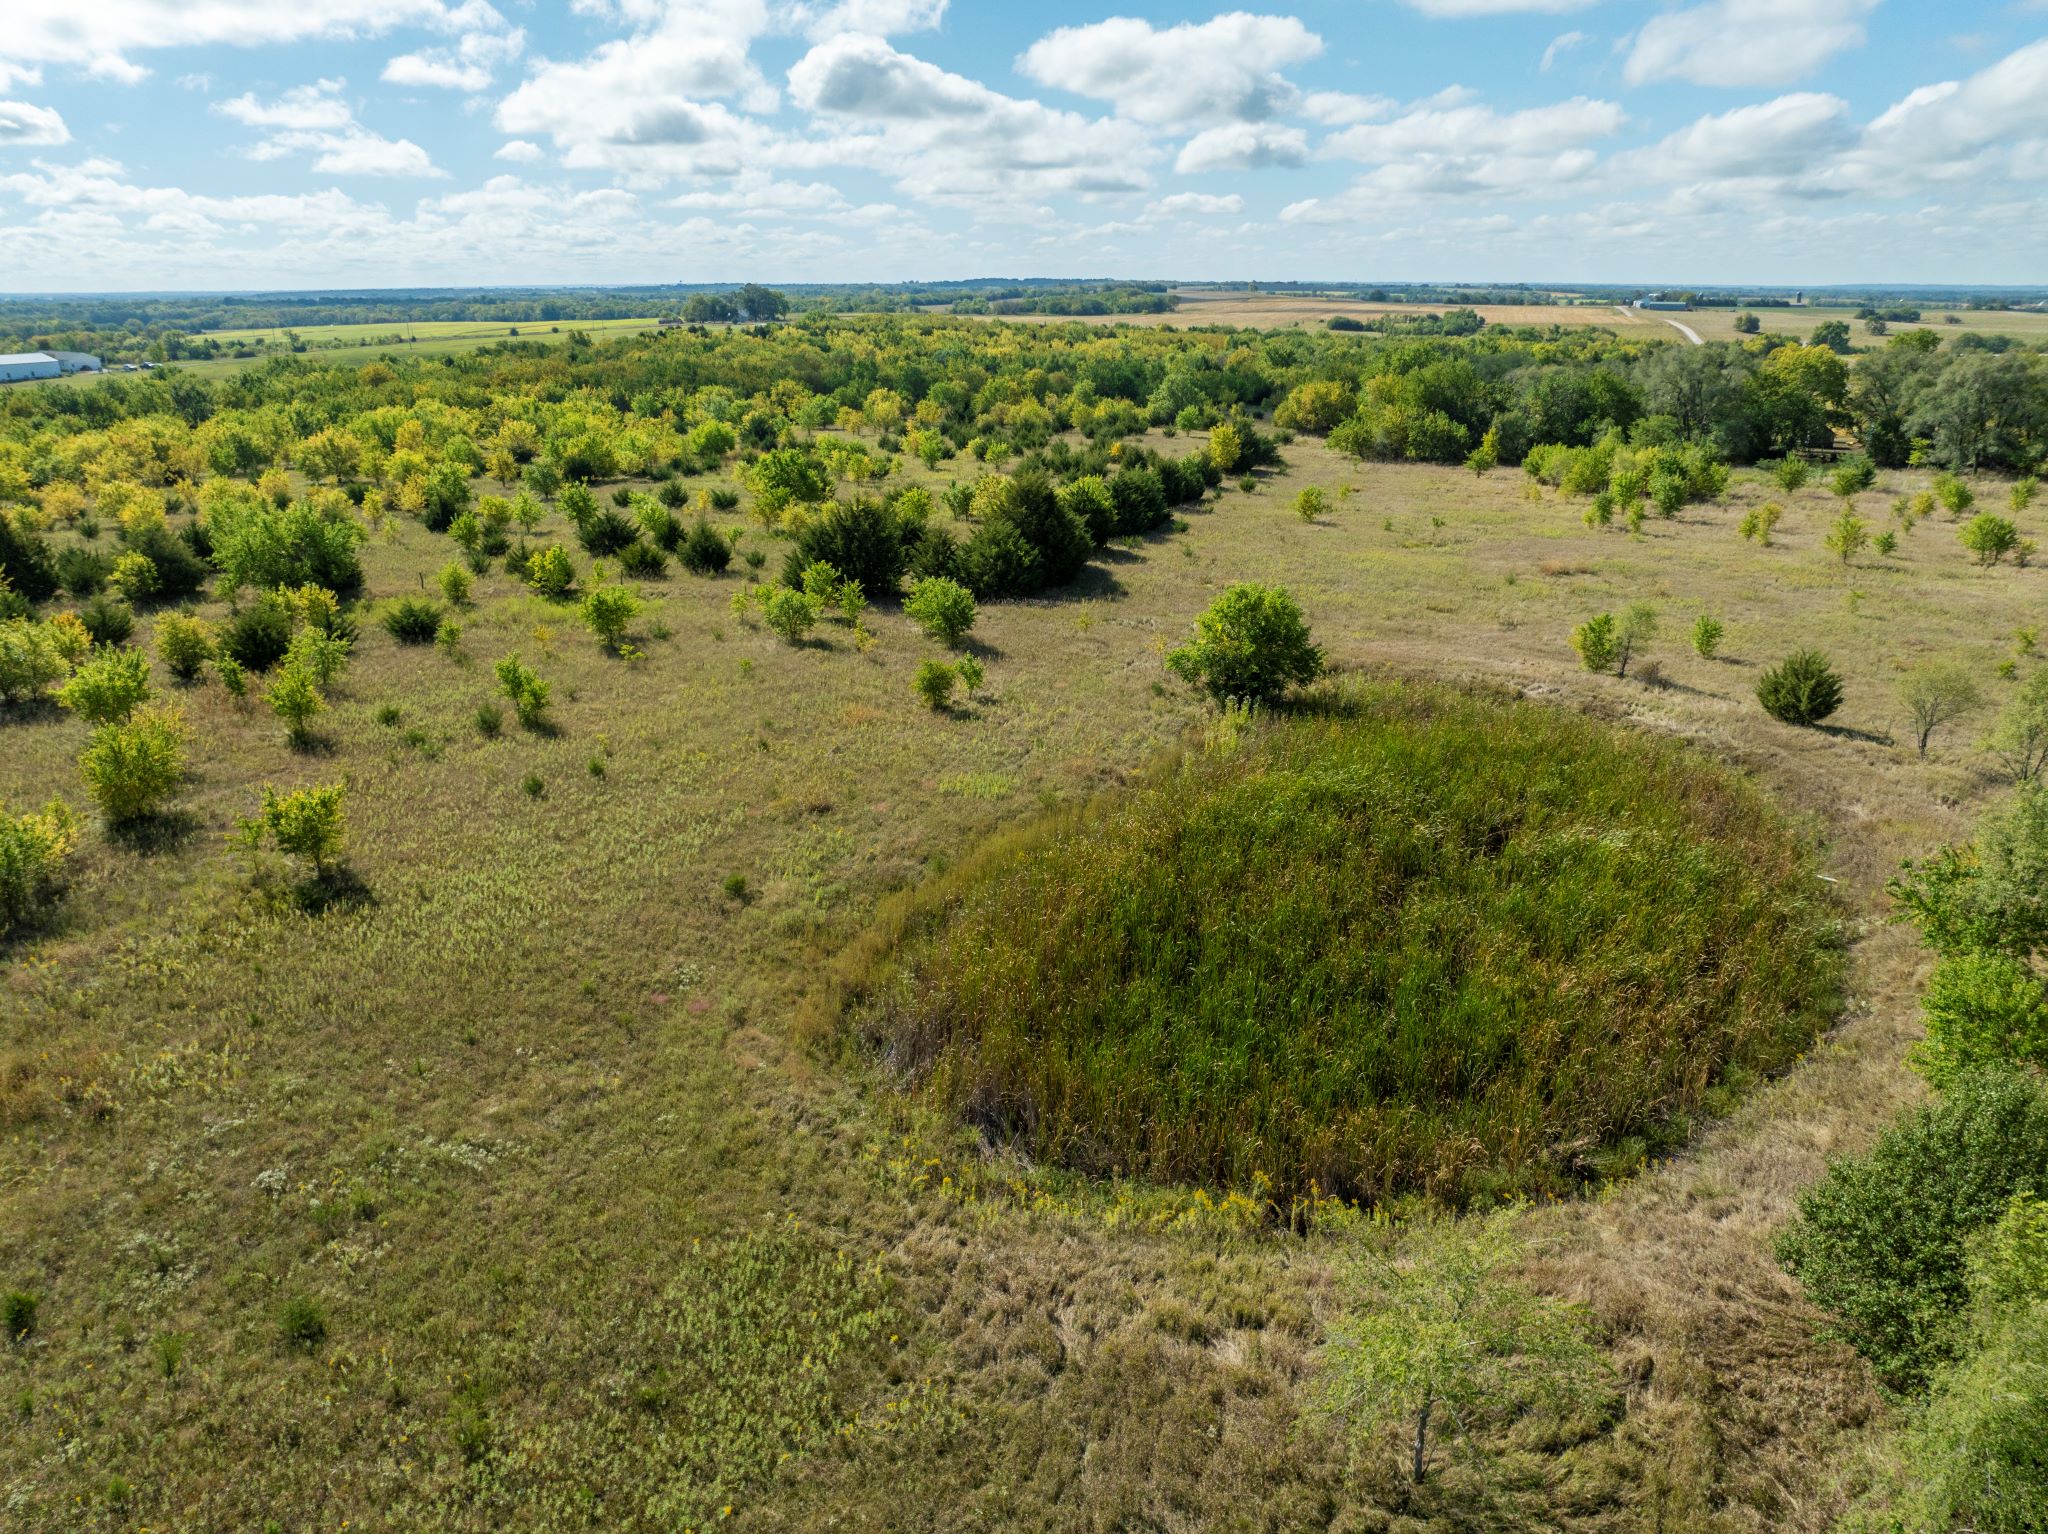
point(596, 1246)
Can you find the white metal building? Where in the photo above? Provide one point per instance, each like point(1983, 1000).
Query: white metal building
point(19, 365)
point(77, 362)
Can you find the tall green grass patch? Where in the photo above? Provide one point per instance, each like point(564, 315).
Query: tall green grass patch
point(1406, 940)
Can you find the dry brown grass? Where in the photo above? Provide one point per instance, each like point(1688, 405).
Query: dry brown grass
point(555, 1057)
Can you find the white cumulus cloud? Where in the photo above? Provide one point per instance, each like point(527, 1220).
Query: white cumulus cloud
point(23, 122)
point(1227, 68)
point(99, 35)
point(1242, 146)
point(1746, 42)
point(468, 66)
point(946, 137)
point(314, 120)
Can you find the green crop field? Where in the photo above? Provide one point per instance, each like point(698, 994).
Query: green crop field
point(518, 1163)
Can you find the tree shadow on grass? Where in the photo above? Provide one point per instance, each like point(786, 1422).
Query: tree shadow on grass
point(313, 743)
point(339, 888)
point(152, 835)
point(1850, 732)
point(1093, 584)
point(31, 711)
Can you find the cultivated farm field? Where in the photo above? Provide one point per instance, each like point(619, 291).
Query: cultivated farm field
point(528, 1179)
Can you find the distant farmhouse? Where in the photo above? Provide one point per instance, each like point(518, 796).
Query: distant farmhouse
point(16, 366)
point(1659, 301)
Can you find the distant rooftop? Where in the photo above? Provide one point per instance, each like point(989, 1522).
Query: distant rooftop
point(26, 357)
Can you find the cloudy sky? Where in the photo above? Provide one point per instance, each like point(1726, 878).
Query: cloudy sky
point(151, 144)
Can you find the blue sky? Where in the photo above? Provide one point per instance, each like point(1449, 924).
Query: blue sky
point(148, 144)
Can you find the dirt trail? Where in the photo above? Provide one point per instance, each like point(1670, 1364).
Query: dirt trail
point(1679, 325)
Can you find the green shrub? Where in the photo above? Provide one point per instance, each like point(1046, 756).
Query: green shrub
point(1250, 644)
point(525, 690)
point(489, 720)
point(659, 522)
point(1991, 893)
point(789, 614)
point(934, 683)
point(82, 571)
point(311, 542)
point(109, 685)
point(1089, 499)
point(133, 766)
point(1977, 1459)
point(1140, 497)
point(970, 673)
point(18, 1314)
point(644, 560)
point(864, 540)
point(1416, 942)
point(1029, 541)
point(26, 563)
point(1595, 642)
point(549, 572)
point(1706, 635)
point(455, 584)
point(413, 620)
point(177, 561)
point(133, 576)
point(1791, 473)
point(257, 636)
point(307, 823)
point(1989, 536)
point(30, 660)
point(1846, 535)
point(318, 653)
point(1880, 1241)
point(705, 550)
point(1759, 522)
point(606, 611)
point(302, 1322)
point(1310, 503)
point(2020, 739)
point(33, 850)
point(185, 644)
point(1852, 476)
point(602, 531)
point(233, 679)
point(943, 608)
point(109, 621)
point(1801, 689)
point(1982, 1008)
point(1955, 494)
point(294, 697)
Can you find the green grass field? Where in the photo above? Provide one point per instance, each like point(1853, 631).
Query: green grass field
point(397, 332)
point(1719, 324)
point(598, 1240)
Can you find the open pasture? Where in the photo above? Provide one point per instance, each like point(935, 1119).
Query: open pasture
point(424, 332)
point(2021, 325)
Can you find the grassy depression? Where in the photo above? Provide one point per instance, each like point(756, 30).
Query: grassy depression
point(1408, 940)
